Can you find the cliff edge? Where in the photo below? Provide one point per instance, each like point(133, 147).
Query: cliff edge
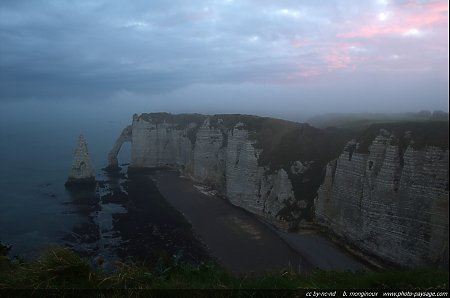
point(267, 166)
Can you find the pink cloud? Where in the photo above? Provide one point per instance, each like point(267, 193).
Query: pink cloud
point(303, 73)
point(369, 43)
point(299, 43)
point(337, 57)
point(332, 57)
point(309, 72)
point(342, 55)
point(404, 17)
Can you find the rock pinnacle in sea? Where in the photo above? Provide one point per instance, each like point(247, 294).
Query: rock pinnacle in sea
point(82, 171)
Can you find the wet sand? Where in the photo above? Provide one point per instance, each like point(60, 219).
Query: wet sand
point(236, 239)
point(240, 242)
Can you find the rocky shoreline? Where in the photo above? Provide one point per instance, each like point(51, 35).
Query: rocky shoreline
point(127, 219)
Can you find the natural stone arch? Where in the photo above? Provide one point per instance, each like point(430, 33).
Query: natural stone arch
point(125, 136)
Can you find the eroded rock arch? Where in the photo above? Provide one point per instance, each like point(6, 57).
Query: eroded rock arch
point(125, 136)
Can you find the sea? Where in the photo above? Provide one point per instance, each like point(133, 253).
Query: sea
point(36, 150)
point(122, 218)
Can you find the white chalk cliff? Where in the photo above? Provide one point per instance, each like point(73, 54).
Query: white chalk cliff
point(208, 152)
point(390, 202)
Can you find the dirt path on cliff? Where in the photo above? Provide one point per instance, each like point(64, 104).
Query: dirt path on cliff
point(241, 243)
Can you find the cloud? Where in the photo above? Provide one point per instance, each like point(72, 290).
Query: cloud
point(405, 17)
point(93, 50)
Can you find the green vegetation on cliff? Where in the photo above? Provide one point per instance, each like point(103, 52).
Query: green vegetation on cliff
point(60, 268)
point(422, 134)
point(361, 121)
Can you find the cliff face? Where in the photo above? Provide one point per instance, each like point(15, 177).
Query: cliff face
point(390, 201)
point(386, 194)
point(248, 185)
point(232, 154)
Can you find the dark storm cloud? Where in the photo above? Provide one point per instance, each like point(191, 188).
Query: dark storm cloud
point(101, 49)
point(101, 46)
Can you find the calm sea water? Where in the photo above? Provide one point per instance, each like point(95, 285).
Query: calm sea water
point(36, 153)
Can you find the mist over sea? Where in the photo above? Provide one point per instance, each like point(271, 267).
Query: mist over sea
point(36, 146)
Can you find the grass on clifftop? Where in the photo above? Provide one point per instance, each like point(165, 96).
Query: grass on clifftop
point(59, 268)
point(423, 134)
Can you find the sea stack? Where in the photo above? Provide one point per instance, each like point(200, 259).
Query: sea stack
point(82, 172)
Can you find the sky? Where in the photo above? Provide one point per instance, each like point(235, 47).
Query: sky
point(277, 58)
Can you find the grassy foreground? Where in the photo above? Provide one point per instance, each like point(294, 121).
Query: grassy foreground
point(61, 268)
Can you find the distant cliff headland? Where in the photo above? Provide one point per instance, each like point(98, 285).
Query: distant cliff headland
point(382, 190)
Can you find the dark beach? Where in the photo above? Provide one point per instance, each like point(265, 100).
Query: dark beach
point(152, 228)
point(239, 241)
point(242, 243)
point(158, 214)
